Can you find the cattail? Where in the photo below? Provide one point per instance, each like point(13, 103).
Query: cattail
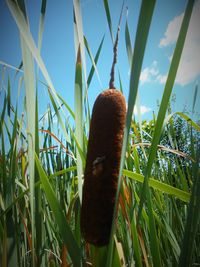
point(102, 166)
point(103, 161)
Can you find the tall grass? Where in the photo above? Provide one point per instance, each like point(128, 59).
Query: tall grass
point(157, 207)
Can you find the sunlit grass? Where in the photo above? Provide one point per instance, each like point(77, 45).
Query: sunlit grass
point(41, 166)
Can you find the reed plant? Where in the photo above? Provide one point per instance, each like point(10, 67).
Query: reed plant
point(157, 203)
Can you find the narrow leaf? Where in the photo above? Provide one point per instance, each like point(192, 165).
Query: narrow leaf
point(64, 229)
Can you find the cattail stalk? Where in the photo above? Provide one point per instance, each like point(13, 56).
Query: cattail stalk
point(103, 162)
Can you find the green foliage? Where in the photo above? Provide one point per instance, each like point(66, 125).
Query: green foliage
point(41, 167)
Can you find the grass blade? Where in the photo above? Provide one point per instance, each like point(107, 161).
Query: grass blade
point(106, 6)
point(94, 62)
point(67, 106)
point(60, 218)
point(28, 39)
point(193, 218)
point(8, 98)
point(128, 44)
point(145, 17)
point(185, 117)
point(56, 109)
point(79, 119)
point(158, 129)
point(29, 79)
point(163, 187)
point(41, 24)
point(80, 36)
point(10, 66)
point(195, 97)
point(168, 89)
point(38, 195)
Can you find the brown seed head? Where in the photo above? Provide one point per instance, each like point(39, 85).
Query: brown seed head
point(102, 166)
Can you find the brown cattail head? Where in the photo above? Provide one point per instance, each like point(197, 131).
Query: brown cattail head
point(102, 166)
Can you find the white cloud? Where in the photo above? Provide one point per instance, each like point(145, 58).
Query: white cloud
point(148, 74)
point(189, 67)
point(172, 31)
point(143, 110)
point(152, 74)
point(161, 78)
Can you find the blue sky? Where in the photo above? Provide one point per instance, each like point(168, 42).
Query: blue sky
point(58, 50)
